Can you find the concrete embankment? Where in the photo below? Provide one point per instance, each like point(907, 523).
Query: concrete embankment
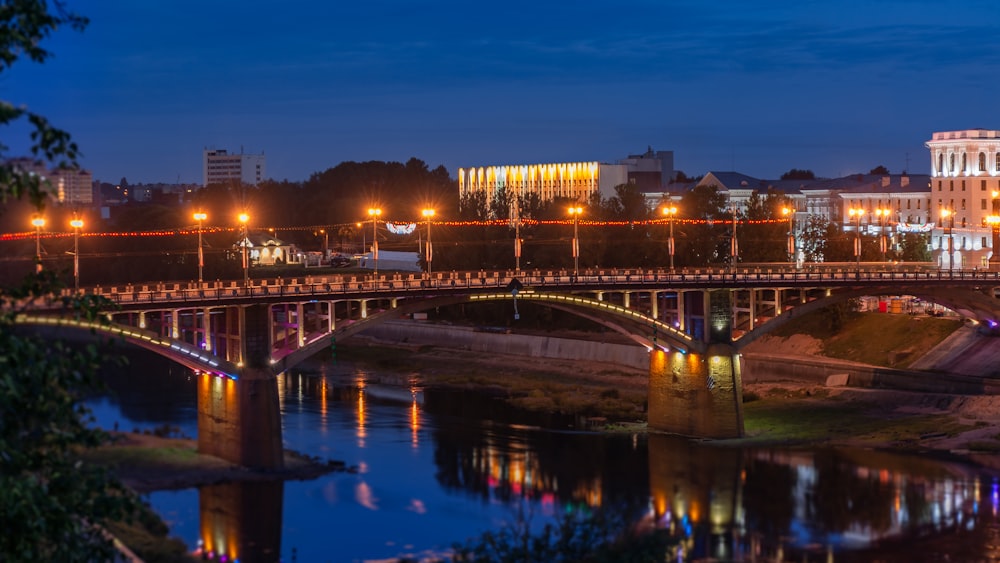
point(757, 367)
point(468, 338)
point(760, 368)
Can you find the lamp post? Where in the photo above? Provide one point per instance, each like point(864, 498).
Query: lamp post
point(517, 236)
point(199, 217)
point(575, 213)
point(38, 222)
point(947, 243)
point(243, 217)
point(671, 212)
point(374, 213)
point(790, 213)
point(429, 252)
point(994, 221)
point(734, 245)
point(883, 215)
point(856, 214)
point(77, 224)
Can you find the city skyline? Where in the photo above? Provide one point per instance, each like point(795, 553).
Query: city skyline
point(758, 87)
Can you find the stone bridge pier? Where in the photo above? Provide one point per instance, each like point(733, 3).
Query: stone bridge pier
point(700, 394)
point(240, 420)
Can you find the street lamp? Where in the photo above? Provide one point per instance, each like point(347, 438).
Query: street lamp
point(734, 245)
point(671, 212)
point(883, 216)
point(575, 213)
point(790, 213)
point(428, 213)
point(77, 224)
point(38, 222)
point(243, 217)
point(200, 216)
point(994, 221)
point(856, 214)
point(947, 243)
point(374, 213)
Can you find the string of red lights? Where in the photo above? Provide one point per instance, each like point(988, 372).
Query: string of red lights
point(489, 223)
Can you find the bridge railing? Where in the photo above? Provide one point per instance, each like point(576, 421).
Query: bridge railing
point(591, 279)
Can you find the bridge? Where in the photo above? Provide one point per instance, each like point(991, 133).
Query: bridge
point(693, 322)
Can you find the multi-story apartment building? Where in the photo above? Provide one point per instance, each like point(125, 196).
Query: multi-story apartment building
point(73, 186)
point(68, 186)
point(220, 167)
point(965, 196)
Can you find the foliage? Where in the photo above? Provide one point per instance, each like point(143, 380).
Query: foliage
point(879, 170)
point(796, 174)
point(605, 536)
point(763, 238)
point(53, 507)
point(705, 239)
point(914, 247)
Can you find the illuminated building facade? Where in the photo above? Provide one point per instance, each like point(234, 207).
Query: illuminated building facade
point(574, 180)
point(73, 186)
point(220, 167)
point(965, 184)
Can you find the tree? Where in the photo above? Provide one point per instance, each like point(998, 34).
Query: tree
point(703, 227)
point(796, 174)
point(763, 237)
point(879, 170)
point(52, 506)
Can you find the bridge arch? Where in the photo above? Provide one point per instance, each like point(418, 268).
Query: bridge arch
point(642, 329)
point(970, 303)
point(184, 354)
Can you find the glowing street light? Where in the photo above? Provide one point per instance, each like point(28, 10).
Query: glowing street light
point(243, 218)
point(428, 213)
point(856, 214)
point(575, 213)
point(947, 243)
point(790, 213)
point(994, 222)
point(77, 224)
point(883, 243)
point(671, 212)
point(38, 222)
point(374, 213)
point(200, 216)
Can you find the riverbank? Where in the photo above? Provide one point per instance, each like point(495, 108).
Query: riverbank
point(147, 462)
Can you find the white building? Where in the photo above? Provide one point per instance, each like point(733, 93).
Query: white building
point(220, 167)
point(965, 192)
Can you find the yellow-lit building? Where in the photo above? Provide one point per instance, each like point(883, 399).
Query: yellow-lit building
point(573, 180)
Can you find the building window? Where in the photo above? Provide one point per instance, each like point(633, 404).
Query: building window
point(983, 204)
point(963, 185)
point(939, 185)
point(982, 162)
point(997, 161)
point(952, 163)
point(964, 164)
point(951, 185)
point(982, 185)
point(940, 166)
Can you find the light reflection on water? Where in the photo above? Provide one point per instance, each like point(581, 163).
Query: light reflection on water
point(435, 468)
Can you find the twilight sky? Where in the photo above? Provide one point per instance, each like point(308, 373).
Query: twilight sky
point(759, 87)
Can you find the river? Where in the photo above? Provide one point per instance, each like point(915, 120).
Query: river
point(432, 468)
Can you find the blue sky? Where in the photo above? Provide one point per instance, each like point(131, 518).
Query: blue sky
point(760, 87)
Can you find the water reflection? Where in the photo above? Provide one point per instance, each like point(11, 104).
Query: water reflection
point(437, 467)
point(241, 521)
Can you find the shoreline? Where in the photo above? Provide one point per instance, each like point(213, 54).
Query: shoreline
point(147, 463)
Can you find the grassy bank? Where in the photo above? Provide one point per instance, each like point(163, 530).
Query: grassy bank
point(877, 339)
